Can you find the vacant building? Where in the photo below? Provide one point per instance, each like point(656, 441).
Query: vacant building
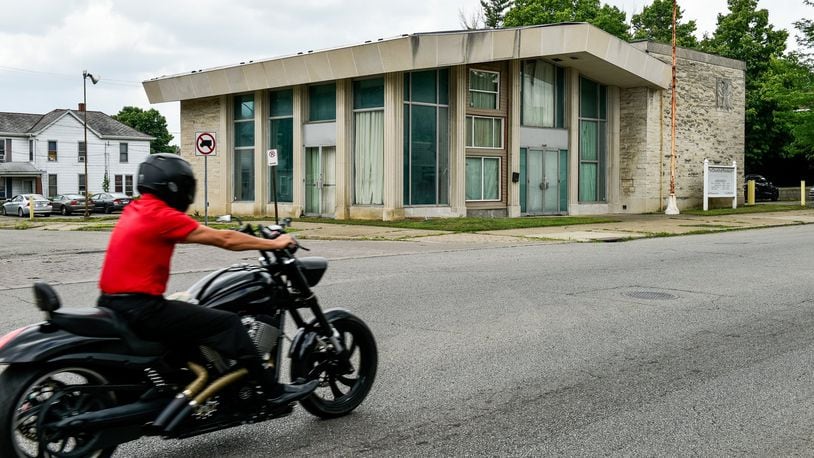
point(557, 119)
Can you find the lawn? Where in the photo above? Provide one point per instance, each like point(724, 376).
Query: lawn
point(471, 224)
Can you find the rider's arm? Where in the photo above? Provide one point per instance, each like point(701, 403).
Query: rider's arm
point(236, 241)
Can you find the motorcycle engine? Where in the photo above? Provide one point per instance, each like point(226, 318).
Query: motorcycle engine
point(263, 334)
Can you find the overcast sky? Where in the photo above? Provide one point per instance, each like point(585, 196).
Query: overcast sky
point(45, 44)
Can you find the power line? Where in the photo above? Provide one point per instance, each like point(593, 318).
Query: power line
point(115, 82)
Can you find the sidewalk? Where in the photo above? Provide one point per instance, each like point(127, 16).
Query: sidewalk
point(628, 227)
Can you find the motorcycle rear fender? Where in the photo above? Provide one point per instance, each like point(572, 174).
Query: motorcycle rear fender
point(41, 342)
point(306, 338)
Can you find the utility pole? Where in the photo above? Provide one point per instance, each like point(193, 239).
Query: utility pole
point(672, 207)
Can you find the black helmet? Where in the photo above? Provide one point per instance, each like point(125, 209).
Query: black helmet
point(169, 177)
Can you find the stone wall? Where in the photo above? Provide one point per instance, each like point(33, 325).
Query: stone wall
point(203, 115)
point(709, 124)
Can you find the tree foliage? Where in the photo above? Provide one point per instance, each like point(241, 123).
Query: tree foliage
point(532, 12)
point(150, 122)
point(493, 12)
point(806, 37)
point(655, 23)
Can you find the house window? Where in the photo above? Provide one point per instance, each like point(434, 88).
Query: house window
point(244, 147)
point(484, 132)
point(322, 102)
point(31, 150)
point(593, 143)
point(83, 153)
point(426, 138)
point(281, 138)
point(118, 183)
point(52, 150)
point(52, 185)
point(123, 153)
point(3, 150)
point(484, 87)
point(543, 95)
point(128, 185)
point(82, 188)
point(123, 183)
point(368, 141)
point(483, 178)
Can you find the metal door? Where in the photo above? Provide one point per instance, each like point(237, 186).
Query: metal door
point(320, 181)
point(542, 182)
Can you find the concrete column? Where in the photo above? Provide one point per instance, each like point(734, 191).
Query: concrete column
point(260, 146)
point(298, 152)
point(344, 137)
point(457, 143)
point(514, 138)
point(393, 147)
point(225, 149)
point(572, 77)
point(614, 180)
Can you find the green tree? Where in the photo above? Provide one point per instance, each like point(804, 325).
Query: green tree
point(655, 23)
point(806, 39)
point(150, 122)
point(532, 12)
point(493, 12)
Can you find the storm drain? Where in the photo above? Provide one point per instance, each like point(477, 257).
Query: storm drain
point(651, 295)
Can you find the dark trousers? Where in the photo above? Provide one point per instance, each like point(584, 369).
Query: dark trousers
point(181, 323)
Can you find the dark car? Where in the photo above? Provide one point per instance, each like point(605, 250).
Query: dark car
point(68, 203)
point(109, 202)
point(764, 189)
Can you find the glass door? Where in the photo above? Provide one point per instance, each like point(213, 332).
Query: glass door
point(543, 182)
point(320, 181)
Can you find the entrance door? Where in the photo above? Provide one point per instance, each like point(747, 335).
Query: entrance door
point(542, 182)
point(320, 181)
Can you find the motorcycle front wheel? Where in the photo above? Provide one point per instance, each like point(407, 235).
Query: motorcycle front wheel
point(340, 390)
point(26, 392)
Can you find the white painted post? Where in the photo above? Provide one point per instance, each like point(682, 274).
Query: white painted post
point(734, 184)
point(706, 181)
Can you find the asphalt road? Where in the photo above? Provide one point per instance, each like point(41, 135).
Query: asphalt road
point(695, 345)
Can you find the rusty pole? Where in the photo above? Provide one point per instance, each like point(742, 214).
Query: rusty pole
point(672, 207)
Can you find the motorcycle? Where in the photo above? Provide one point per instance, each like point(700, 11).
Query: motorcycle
point(81, 383)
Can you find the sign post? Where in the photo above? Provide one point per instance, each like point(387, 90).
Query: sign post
point(205, 145)
point(273, 159)
point(719, 181)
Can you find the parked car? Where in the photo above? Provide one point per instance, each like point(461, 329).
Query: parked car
point(68, 203)
point(19, 205)
point(764, 189)
point(109, 202)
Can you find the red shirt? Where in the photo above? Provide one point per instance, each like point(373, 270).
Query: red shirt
point(141, 245)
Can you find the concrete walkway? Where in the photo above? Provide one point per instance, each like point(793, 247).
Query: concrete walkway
point(628, 227)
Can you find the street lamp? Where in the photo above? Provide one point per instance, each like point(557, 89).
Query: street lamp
point(94, 80)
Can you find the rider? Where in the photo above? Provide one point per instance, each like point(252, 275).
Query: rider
point(137, 267)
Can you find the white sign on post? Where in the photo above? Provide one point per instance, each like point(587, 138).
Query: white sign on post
point(205, 144)
point(272, 157)
point(720, 181)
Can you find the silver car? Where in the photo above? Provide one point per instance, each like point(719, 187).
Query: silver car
point(19, 205)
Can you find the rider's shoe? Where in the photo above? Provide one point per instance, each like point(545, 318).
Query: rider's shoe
point(285, 394)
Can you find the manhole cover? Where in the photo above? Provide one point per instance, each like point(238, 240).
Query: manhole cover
point(651, 295)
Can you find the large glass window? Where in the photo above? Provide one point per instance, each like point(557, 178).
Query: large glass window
point(483, 178)
point(368, 141)
point(281, 138)
point(592, 141)
point(426, 138)
point(484, 132)
point(543, 98)
point(322, 102)
point(484, 88)
point(244, 147)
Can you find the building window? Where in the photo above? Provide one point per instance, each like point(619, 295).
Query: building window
point(123, 153)
point(123, 183)
point(484, 88)
point(543, 95)
point(483, 178)
point(52, 150)
point(82, 188)
point(593, 143)
point(281, 138)
point(368, 141)
point(426, 138)
point(31, 150)
point(52, 185)
point(83, 153)
point(484, 132)
point(128, 185)
point(118, 183)
point(322, 102)
point(3, 150)
point(244, 148)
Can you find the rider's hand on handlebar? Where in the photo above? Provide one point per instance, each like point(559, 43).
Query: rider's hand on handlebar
point(282, 242)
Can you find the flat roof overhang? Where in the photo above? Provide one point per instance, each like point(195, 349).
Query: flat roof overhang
point(592, 51)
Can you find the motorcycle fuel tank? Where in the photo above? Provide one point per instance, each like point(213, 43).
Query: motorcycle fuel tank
point(241, 284)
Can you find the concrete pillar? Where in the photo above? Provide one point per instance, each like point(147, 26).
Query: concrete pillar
point(344, 145)
point(572, 77)
point(457, 141)
point(613, 180)
point(298, 152)
point(261, 189)
point(226, 150)
point(393, 147)
point(514, 138)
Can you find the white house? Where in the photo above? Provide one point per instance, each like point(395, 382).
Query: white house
point(46, 153)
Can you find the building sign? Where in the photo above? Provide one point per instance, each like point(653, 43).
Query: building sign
point(720, 181)
point(205, 144)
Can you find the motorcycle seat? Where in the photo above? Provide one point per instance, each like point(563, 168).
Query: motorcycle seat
point(103, 322)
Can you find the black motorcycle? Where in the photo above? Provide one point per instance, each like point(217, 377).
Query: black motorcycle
point(81, 383)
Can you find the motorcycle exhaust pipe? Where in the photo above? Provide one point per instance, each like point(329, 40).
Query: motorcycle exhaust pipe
point(113, 417)
point(183, 397)
point(210, 391)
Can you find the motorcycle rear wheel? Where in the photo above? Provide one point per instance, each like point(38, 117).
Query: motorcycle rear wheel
point(25, 390)
point(339, 394)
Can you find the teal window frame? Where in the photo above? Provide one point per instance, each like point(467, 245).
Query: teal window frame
point(322, 102)
point(593, 141)
point(244, 144)
point(281, 138)
point(368, 163)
